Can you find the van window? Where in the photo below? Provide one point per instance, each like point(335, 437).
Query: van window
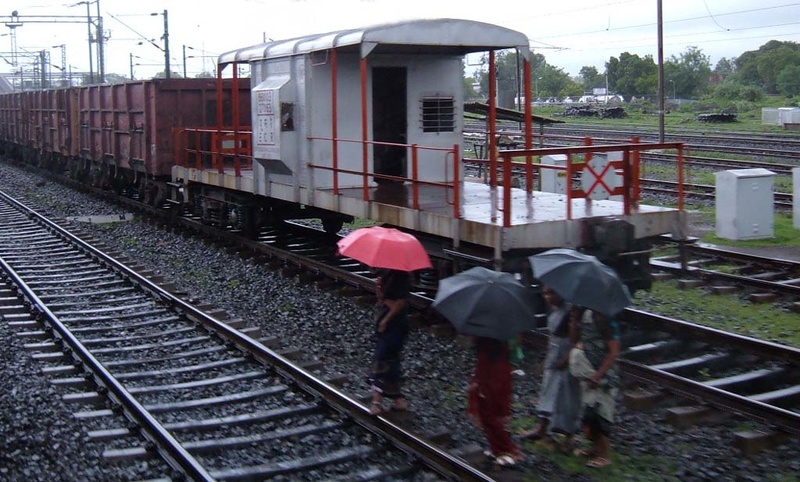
point(438, 114)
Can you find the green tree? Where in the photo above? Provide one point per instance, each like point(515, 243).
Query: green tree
point(632, 75)
point(555, 82)
point(788, 81)
point(690, 72)
point(760, 68)
point(731, 91)
point(773, 62)
point(509, 75)
point(725, 68)
point(590, 78)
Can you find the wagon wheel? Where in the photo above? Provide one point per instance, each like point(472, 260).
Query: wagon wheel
point(157, 194)
point(146, 193)
point(197, 207)
point(139, 191)
point(237, 217)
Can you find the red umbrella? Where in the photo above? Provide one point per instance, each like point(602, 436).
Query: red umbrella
point(380, 247)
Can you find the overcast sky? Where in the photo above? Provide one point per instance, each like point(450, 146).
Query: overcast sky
point(569, 33)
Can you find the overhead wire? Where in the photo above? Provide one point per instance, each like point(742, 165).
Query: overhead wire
point(711, 15)
point(651, 24)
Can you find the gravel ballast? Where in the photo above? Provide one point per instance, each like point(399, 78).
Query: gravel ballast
point(39, 440)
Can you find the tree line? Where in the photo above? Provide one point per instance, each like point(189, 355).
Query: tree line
point(773, 69)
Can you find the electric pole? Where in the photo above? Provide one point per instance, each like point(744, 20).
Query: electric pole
point(101, 60)
point(166, 45)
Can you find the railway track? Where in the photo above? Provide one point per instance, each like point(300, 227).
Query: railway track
point(668, 353)
point(313, 251)
point(708, 366)
point(753, 379)
point(725, 271)
point(782, 201)
point(735, 143)
point(211, 400)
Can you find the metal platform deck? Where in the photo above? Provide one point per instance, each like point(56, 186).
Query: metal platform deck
point(538, 220)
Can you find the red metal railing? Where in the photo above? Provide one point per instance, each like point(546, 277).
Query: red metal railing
point(628, 166)
point(213, 148)
point(452, 157)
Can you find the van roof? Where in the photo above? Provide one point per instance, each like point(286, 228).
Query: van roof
point(443, 36)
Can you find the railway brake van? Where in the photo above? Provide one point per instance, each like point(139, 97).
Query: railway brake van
point(368, 123)
point(336, 114)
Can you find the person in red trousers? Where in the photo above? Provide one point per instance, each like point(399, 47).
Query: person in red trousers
point(490, 399)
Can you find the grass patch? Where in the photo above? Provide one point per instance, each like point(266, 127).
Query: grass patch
point(785, 235)
point(645, 115)
point(640, 467)
point(726, 312)
point(361, 223)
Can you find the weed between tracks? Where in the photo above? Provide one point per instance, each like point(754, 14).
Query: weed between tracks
point(726, 312)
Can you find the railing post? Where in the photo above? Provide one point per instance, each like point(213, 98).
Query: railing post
point(176, 139)
point(456, 182)
point(627, 181)
point(235, 104)
point(506, 190)
point(528, 129)
point(414, 176)
point(635, 173)
point(198, 154)
point(569, 185)
point(364, 130)
point(334, 119)
point(492, 121)
point(680, 177)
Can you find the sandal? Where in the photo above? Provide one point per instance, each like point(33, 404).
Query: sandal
point(598, 462)
point(505, 461)
point(517, 456)
point(583, 452)
point(375, 409)
point(400, 405)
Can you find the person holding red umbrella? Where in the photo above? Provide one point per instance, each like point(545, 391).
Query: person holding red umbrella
point(392, 328)
point(395, 254)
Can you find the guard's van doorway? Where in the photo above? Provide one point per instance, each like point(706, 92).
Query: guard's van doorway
point(389, 120)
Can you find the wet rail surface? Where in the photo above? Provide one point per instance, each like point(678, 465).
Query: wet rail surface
point(215, 403)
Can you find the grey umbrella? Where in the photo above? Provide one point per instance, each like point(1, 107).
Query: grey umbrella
point(581, 279)
point(482, 302)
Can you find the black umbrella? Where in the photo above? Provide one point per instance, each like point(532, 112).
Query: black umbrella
point(581, 279)
point(482, 302)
